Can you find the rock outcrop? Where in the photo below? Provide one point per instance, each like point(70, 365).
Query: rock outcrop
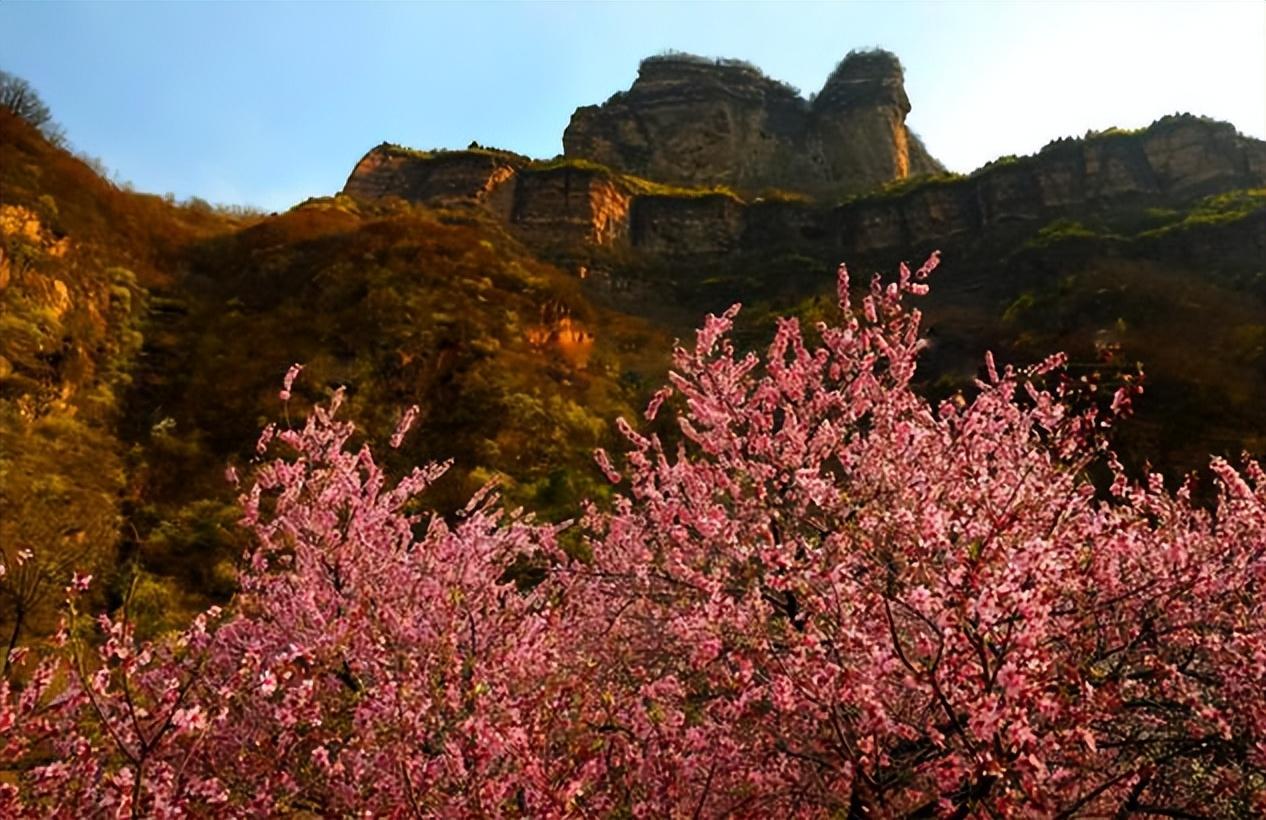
point(576, 203)
point(692, 121)
point(1176, 160)
point(858, 125)
point(474, 175)
point(569, 205)
point(687, 226)
point(548, 203)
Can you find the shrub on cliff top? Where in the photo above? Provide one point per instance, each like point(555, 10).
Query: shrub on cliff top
point(867, 62)
point(670, 56)
point(830, 597)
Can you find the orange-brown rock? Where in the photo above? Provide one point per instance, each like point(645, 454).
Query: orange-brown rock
point(477, 176)
point(562, 204)
point(574, 203)
point(858, 123)
point(568, 205)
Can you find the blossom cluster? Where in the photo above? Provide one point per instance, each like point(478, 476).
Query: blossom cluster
point(822, 595)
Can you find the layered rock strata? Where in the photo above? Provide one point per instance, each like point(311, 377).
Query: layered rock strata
point(687, 226)
point(474, 175)
point(565, 205)
point(1176, 160)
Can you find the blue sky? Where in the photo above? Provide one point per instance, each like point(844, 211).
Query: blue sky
point(269, 103)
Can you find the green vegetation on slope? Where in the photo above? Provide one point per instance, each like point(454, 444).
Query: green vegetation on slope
point(77, 259)
point(125, 391)
point(1179, 289)
point(1218, 209)
point(142, 345)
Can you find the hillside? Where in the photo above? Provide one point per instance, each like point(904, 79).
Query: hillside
point(523, 304)
point(79, 259)
point(1125, 249)
point(144, 345)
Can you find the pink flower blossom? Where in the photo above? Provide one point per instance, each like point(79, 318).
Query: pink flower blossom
point(829, 598)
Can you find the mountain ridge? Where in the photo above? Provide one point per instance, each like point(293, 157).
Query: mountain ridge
point(1174, 161)
point(524, 303)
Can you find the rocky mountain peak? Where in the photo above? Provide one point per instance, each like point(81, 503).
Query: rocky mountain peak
point(865, 78)
point(689, 120)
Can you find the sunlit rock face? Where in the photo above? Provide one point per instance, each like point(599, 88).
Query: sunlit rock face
point(1173, 162)
point(575, 202)
point(571, 205)
point(858, 125)
point(692, 121)
point(562, 205)
point(475, 176)
point(1198, 157)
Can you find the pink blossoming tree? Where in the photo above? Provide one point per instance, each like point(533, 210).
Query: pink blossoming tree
point(833, 598)
point(828, 598)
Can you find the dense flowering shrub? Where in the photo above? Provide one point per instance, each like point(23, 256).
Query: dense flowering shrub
point(374, 661)
point(827, 598)
point(836, 598)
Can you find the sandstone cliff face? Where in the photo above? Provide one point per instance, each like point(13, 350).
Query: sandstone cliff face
point(1176, 160)
point(549, 206)
point(1189, 159)
point(696, 123)
point(858, 122)
point(571, 206)
point(472, 176)
point(780, 224)
point(686, 226)
point(699, 122)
